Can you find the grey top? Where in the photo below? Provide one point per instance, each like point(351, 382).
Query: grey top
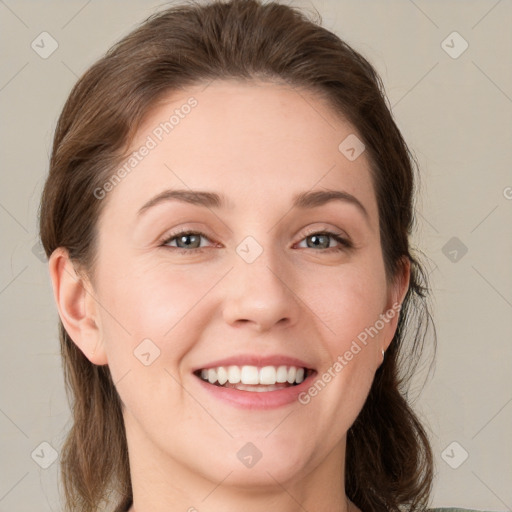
point(454, 510)
point(429, 510)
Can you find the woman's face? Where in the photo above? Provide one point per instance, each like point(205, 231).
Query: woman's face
point(266, 288)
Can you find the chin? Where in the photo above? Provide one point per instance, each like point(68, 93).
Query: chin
point(262, 475)
point(261, 463)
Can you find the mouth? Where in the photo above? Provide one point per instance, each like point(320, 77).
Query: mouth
point(255, 378)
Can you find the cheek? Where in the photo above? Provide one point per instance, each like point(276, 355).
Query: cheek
point(150, 296)
point(149, 324)
point(150, 302)
point(349, 302)
point(350, 321)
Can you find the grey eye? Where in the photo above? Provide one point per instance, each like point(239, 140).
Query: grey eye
point(191, 240)
point(187, 240)
point(319, 240)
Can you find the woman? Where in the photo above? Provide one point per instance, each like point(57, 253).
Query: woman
point(227, 222)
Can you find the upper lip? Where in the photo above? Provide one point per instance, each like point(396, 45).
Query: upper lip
point(256, 360)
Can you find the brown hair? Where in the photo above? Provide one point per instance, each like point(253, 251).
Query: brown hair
point(389, 464)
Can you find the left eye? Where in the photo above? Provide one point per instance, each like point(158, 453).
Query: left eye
point(184, 238)
point(191, 241)
point(325, 235)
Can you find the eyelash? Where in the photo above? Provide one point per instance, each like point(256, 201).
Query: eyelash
point(344, 244)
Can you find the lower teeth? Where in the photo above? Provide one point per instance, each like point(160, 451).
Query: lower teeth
point(256, 388)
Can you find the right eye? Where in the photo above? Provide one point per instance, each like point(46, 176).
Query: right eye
point(188, 239)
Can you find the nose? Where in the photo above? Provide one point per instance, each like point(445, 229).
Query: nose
point(261, 295)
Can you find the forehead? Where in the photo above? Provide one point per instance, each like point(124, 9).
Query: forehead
point(256, 143)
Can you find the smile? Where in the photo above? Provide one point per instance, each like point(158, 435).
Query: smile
point(253, 378)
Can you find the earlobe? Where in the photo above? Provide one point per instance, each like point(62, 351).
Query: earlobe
point(77, 307)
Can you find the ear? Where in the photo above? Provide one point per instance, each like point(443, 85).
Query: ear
point(396, 294)
point(78, 310)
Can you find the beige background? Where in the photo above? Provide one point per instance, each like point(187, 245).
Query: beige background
point(456, 114)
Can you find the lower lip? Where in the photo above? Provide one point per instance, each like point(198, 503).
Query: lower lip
point(257, 400)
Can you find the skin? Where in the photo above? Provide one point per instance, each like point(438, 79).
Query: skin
point(259, 144)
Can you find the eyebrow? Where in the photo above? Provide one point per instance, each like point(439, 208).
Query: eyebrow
point(304, 200)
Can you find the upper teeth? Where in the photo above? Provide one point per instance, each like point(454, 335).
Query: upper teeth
point(266, 375)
